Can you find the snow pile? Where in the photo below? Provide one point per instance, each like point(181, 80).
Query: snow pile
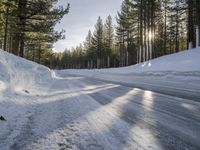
point(18, 74)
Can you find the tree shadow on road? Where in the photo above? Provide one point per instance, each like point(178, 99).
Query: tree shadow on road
point(131, 118)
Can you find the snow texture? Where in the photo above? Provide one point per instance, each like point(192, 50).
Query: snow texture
point(101, 109)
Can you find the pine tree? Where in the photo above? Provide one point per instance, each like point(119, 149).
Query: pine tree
point(191, 35)
point(120, 37)
point(88, 46)
point(125, 31)
point(109, 39)
point(98, 42)
point(8, 23)
point(145, 29)
point(32, 17)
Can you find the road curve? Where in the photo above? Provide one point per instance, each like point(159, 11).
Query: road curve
point(83, 113)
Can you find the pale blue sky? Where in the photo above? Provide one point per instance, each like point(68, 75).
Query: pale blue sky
point(82, 17)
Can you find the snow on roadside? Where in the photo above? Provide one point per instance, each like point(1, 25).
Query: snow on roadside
point(185, 61)
point(18, 74)
point(180, 66)
point(20, 83)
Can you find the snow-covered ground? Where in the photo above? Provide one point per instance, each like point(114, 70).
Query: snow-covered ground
point(183, 61)
point(101, 109)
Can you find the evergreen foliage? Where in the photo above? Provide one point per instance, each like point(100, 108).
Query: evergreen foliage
point(145, 29)
point(27, 27)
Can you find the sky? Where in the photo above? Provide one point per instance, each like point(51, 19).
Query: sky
point(81, 18)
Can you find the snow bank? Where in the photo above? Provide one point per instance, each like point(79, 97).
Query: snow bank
point(184, 61)
point(20, 74)
point(21, 82)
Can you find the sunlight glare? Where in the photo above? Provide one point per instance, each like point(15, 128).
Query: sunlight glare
point(149, 64)
point(150, 35)
point(188, 106)
point(148, 99)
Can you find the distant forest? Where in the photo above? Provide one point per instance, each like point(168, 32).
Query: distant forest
point(145, 29)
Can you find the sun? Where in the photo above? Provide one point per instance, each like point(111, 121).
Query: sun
point(150, 35)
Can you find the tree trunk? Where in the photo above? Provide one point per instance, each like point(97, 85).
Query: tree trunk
point(10, 42)
point(22, 22)
point(15, 43)
point(177, 27)
point(108, 65)
point(6, 31)
point(21, 50)
point(39, 54)
point(191, 38)
point(145, 33)
point(197, 36)
point(141, 30)
point(198, 18)
point(165, 30)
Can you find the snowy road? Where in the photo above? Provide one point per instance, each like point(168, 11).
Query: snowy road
point(179, 84)
point(83, 113)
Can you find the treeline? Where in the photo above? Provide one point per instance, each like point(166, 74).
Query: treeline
point(27, 28)
point(145, 29)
